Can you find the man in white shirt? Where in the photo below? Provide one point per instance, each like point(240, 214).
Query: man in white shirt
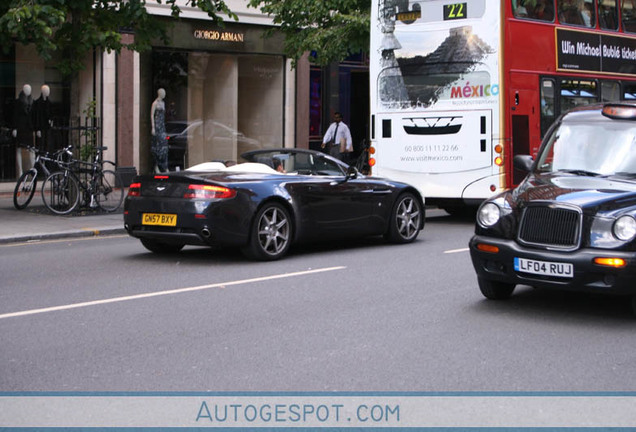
point(338, 132)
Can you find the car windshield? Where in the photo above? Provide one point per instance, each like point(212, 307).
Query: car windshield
point(598, 149)
point(297, 163)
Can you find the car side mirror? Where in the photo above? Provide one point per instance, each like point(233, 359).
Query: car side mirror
point(352, 173)
point(523, 162)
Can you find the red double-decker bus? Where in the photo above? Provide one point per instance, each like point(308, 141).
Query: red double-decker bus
point(459, 88)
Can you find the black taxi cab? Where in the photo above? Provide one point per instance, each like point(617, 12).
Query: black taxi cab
point(571, 223)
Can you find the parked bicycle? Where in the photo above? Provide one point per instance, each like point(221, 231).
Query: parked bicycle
point(27, 183)
point(81, 183)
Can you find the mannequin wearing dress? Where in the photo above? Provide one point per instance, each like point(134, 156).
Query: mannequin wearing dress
point(42, 118)
point(159, 143)
point(23, 125)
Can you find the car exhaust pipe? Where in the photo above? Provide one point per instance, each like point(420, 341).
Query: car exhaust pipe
point(205, 232)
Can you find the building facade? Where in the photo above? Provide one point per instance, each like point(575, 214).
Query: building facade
point(227, 90)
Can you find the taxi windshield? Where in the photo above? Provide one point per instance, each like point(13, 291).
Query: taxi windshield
point(596, 149)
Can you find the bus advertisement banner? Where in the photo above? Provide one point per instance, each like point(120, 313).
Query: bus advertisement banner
point(435, 85)
point(595, 52)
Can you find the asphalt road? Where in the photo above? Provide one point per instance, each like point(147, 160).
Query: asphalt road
point(103, 314)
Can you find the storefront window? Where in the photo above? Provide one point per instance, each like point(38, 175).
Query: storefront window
point(34, 107)
point(219, 106)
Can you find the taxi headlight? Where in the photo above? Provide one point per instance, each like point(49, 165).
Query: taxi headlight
point(624, 228)
point(488, 215)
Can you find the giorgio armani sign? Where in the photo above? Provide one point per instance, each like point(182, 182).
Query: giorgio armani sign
point(594, 52)
point(216, 35)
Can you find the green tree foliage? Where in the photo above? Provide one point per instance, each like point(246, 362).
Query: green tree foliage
point(330, 30)
point(73, 28)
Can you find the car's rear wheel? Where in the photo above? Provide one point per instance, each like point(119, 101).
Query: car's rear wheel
point(406, 219)
point(161, 247)
point(270, 236)
point(494, 290)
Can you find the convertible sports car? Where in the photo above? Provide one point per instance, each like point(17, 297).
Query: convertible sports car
point(277, 198)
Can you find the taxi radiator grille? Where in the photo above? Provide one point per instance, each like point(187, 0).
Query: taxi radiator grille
point(550, 226)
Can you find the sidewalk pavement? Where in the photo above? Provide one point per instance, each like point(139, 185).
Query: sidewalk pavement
point(36, 223)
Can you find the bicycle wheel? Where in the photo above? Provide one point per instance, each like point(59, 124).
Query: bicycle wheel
point(60, 193)
point(25, 188)
point(109, 191)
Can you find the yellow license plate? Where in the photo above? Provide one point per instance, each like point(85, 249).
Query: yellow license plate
point(159, 219)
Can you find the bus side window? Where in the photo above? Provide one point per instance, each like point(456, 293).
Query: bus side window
point(534, 9)
point(547, 105)
point(519, 9)
point(610, 91)
point(607, 13)
point(577, 12)
point(629, 92)
point(629, 15)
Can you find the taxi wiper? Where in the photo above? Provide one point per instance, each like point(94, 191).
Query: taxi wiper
point(580, 172)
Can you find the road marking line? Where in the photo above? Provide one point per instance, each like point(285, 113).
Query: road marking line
point(456, 251)
point(169, 292)
point(63, 239)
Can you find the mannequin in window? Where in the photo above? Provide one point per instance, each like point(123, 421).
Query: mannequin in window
point(23, 125)
point(42, 118)
point(158, 141)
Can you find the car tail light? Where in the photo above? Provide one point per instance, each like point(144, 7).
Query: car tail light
point(134, 190)
point(196, 191)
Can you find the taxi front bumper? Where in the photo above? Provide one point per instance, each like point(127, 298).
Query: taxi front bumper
point(498, 264)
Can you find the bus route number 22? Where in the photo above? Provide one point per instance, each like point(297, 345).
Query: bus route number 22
point(455, 11)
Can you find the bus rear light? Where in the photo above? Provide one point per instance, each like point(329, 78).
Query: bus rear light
point(371, 162)
point(371, 150)
point(499, 148)
point(499, 161)
point(610, 262)
point(199, 191)
point(134, 190)
point(493, 188)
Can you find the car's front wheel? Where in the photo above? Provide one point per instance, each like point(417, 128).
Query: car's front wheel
point(161, 247)
point(406, 219)
point(270, 237)
point(495, 290)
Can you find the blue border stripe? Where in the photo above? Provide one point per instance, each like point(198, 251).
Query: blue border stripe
point(322, 394)
point(380, 429)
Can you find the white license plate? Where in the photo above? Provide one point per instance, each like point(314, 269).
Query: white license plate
point(546, 268)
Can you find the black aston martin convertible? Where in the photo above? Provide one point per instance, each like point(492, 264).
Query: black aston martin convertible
point(277, 198)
